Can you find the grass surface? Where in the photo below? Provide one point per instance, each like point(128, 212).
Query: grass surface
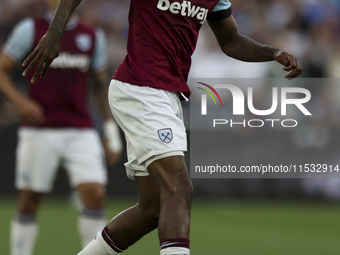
point(235, 228)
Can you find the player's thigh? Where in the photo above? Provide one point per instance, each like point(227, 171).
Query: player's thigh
point(171, 176)
point(83, 158)
point(152, 121)
point(37, 160)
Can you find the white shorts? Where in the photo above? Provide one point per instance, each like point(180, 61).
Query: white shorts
point(41, 151)
point(152, 121)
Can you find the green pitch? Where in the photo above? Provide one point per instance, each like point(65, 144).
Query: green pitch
point(221, 228)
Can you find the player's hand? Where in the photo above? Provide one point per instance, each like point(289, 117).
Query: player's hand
point(112, 157)
point(113, 145)
point(43, 55)
point(30, 111)
point(290, 62)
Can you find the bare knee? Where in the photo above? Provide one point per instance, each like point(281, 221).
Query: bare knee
point(92, 195)
point(180, 189)
point(29, 201)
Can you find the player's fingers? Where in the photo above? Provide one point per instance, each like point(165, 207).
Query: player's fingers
point(30, 119)
point(29, 63)
point(29, 59)
point(33, 120)
point(296, 70)
point(39, 114)
point(45, 68)
point(38, 118)
point(294, 73)
point(292, 63)
point(38, 71)
point(290, 67)
point(34, 115)
point(300, 68)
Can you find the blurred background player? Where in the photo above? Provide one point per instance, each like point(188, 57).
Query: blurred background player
point(57, 126)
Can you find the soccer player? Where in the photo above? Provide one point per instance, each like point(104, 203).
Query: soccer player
point(57, 127)
point(144, 96)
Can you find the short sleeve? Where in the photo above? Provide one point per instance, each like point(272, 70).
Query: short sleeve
point(99, 60)
point(221, 10)
point(21, 40)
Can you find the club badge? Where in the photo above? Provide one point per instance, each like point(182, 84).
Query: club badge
point(83, 42)
point(165, 135)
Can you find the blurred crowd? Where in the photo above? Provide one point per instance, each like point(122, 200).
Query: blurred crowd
point(310, 29)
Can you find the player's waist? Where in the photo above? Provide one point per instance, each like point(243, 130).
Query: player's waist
point(51, 123)
point(159, 79)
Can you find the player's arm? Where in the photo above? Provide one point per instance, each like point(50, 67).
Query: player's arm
point(112, 141)
point(28, 110)
point(100, 81)
point(113, 145)
point(15, 49)
point(243, 48)
point(49, 45)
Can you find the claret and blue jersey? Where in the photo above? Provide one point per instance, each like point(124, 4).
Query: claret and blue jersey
point(63, 93)
point(162, 37)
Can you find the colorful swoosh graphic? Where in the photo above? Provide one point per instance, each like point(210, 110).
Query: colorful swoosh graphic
point(209, 93)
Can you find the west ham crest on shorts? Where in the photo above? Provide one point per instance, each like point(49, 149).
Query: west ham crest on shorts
point(165, 135)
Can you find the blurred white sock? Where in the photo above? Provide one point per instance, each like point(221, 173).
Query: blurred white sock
point(23, 236)
point(89, 227)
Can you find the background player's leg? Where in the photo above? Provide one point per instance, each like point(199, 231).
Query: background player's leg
point(92, 218)
point(83, 161)
point(130, 225)
point(175, 187)
point(24, 228)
